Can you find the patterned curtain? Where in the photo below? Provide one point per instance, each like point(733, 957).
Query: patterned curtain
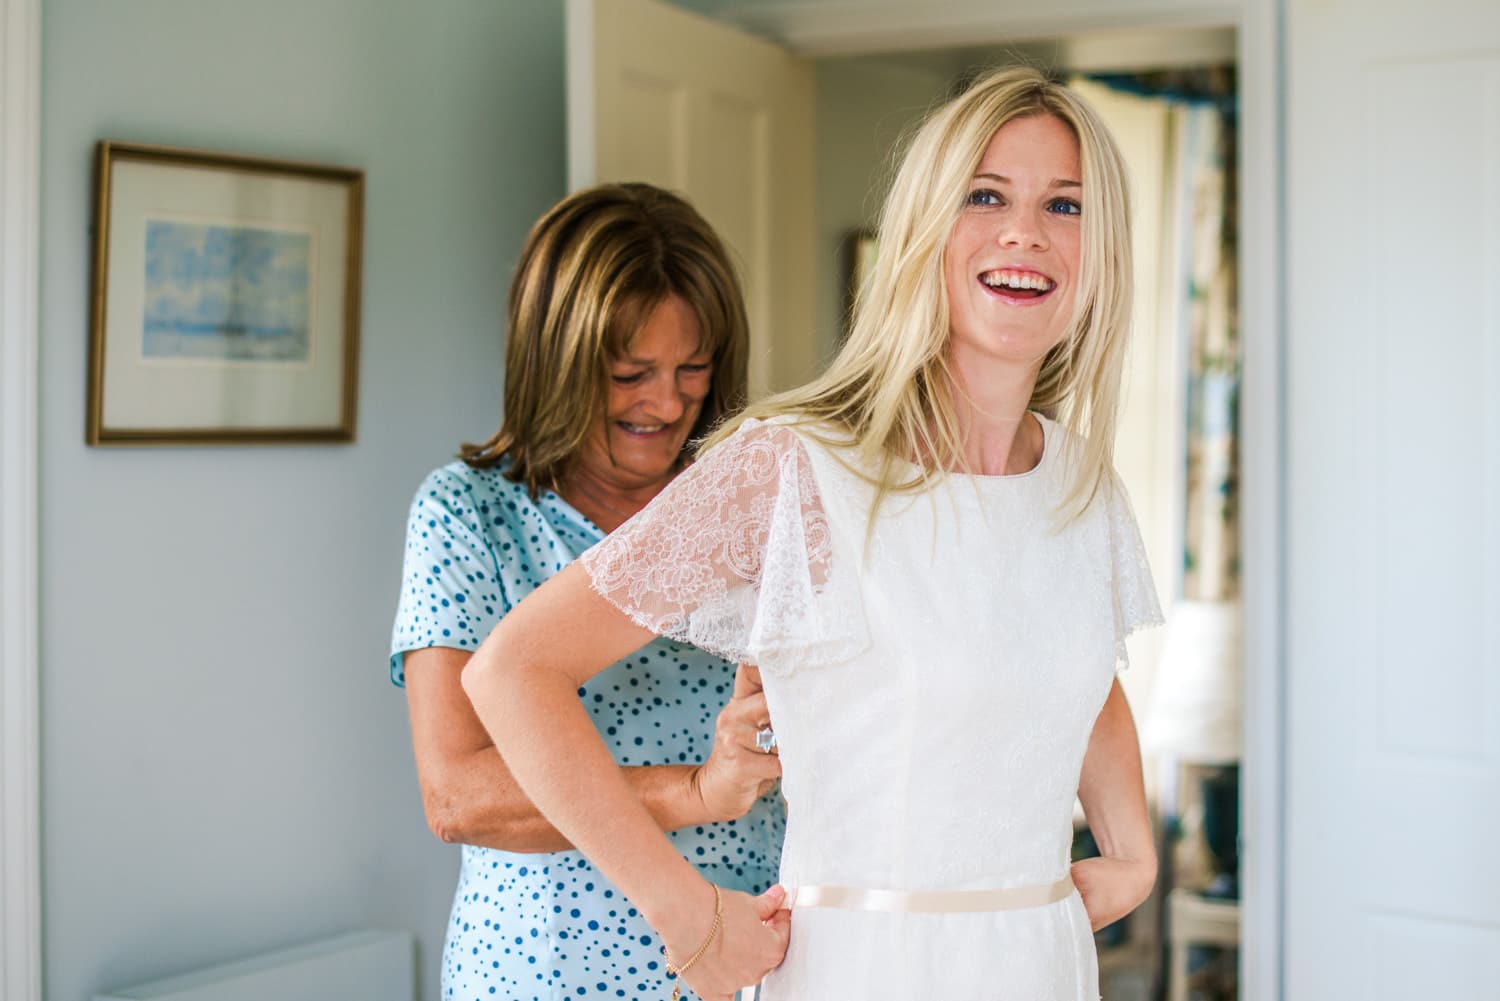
point(1208, 192)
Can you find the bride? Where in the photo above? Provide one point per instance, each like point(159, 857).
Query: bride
point(928, 557)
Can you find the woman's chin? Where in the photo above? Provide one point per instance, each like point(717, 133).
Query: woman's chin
point(647, 465)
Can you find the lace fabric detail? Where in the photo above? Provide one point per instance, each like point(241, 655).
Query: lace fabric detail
point(965, 645)
point(1135, 601)
point(735, 557)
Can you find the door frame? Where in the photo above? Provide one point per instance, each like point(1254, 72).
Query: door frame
point(20, 341)
point(817, 28)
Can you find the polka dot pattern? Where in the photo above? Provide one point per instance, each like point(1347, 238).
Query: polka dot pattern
point(548, 926)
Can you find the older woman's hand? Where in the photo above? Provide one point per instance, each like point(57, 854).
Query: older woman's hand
point(736, 774)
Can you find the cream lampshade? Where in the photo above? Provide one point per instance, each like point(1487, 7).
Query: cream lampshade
point(1195, 707)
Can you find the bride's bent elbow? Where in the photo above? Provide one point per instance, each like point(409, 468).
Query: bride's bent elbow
point(493, 681)
point(1149, 872)
point(469, 678)
point(480, 675)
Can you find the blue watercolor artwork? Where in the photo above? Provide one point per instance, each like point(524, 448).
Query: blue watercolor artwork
point(226, 293)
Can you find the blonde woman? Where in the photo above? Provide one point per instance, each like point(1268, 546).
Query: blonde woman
point(930, 559)
point(627, 341)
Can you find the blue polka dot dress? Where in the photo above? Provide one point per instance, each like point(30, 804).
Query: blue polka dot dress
point(549, 926)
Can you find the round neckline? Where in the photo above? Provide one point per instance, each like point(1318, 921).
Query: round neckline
point(1042, 460)
point(568, 508)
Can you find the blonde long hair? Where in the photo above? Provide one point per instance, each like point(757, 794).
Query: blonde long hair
point(889, 391)
point(591, 272)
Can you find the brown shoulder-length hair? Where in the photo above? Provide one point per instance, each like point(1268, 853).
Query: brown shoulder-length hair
point(591, 272)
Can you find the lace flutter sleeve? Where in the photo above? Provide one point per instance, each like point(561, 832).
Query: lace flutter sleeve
point(1135, 603)
point(735, 557)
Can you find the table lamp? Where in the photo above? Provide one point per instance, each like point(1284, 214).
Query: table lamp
point(1196, 718)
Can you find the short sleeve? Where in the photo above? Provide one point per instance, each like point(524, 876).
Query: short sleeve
point(735, 556)
point(1134, 592)
point(450, 588)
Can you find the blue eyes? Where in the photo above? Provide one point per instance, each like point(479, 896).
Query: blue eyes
point(1059, 206)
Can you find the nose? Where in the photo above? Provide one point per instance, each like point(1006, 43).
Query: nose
point(665, 399)
point(1022, 227)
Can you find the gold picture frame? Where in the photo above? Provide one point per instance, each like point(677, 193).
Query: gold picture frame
point(226, 298)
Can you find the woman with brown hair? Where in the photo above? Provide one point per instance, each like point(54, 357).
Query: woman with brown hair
point(627, 345)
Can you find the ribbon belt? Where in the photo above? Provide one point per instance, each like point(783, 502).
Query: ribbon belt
point(850, 898)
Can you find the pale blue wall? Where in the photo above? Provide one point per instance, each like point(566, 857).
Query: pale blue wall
point(226, 768)
point(865, 106)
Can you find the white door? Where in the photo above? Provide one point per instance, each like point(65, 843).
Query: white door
point(662, 95)
point(1393, 509)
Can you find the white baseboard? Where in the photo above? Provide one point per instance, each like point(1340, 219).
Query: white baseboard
point(368, 965)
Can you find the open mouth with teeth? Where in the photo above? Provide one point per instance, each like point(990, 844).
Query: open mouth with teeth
point(1018, 286)
point(641, 430)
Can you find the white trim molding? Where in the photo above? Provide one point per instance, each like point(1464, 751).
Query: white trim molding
point(20, 743)
point(815, 28)
point(1262, 500)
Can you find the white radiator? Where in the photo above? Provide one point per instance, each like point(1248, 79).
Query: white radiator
point(361, 966)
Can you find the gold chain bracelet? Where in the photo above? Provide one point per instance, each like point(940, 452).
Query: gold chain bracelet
point(713, 932)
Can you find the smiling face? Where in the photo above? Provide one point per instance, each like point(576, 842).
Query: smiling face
point(1012, 262)
point(656, 392)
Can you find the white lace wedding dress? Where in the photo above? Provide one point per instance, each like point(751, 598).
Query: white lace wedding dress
point(932, 682)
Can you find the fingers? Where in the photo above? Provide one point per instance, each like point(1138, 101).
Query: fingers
point(768, 903)
point(746, 680)
point(781, 924)
point(753, 942)
point(733, 777)
point(737, 770)
point(1110, 888)
point(750, 710)
point(746, 714)
point(734, 743)
point(741, 719)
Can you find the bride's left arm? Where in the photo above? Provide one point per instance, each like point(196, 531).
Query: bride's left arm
point(1114, 802)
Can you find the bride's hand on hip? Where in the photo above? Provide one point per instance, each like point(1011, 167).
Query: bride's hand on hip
point(737, 773)
point(751, 941)
point(1112, 887)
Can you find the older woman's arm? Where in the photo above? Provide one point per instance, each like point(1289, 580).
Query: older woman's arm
point(470, 796)
point(1114, 801)
point(523, 682)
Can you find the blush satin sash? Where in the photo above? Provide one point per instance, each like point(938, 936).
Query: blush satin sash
point(1011, 898)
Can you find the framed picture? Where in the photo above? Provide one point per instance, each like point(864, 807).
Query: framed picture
point(226, 294)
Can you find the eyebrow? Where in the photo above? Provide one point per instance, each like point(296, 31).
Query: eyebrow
point(648, 362)
point(1058, 183)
